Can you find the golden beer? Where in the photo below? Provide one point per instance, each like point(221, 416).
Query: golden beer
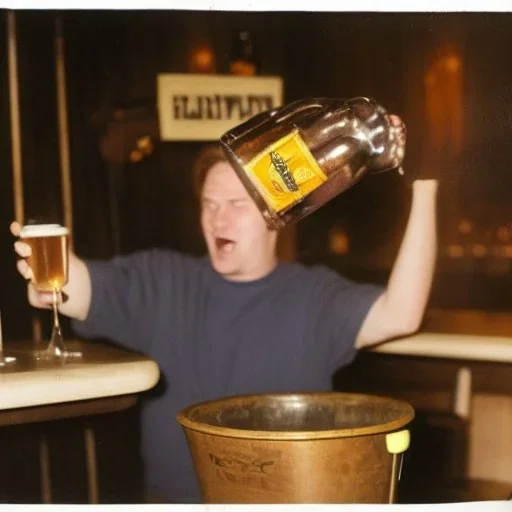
point(49, 258)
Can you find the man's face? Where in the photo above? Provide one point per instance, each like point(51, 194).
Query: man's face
point(240, 245)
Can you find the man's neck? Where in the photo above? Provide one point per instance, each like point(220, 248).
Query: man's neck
point(255, 276)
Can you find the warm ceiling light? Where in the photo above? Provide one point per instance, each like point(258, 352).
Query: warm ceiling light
point(202, 60)
point(452, 63)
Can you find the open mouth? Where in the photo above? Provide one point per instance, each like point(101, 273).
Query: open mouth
point(224, 245)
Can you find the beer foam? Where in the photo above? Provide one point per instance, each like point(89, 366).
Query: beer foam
point(43, 230)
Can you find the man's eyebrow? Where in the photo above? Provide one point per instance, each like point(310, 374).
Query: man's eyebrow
point(229, 198)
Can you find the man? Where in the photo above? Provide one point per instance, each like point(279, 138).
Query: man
point(238, 321)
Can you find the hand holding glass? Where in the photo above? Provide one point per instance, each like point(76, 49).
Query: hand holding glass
point(49, 263)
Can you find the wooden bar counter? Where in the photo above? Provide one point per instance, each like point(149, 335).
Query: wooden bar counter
point(477, 347)
point(104, 379)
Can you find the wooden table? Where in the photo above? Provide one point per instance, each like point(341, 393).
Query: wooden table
point(477, 347)
point(471, 336)
point(105, 379)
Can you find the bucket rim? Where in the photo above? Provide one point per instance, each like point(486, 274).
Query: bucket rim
point(184, 419)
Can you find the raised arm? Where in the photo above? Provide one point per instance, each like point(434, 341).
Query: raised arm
point(115, 299)
point(399, 310)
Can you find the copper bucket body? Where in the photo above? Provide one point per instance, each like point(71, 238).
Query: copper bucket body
point(296, 448)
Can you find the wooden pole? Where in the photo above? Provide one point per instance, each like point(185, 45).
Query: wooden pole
point(62, 117)
point(67, 202)
point(14, 107)
point(19, 215)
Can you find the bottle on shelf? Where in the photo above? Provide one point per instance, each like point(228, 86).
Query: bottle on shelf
point(243, 59)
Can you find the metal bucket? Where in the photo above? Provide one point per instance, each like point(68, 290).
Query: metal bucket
point(297, 448)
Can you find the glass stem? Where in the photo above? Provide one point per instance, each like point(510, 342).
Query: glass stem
point(56, 344)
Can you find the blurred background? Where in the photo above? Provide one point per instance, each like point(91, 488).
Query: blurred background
point(446, 74)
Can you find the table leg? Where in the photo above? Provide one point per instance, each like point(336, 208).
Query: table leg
point(44, 469)
point(91, 463)
point(463, 393)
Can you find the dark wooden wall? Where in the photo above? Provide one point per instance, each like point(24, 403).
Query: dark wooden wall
point(114, 57)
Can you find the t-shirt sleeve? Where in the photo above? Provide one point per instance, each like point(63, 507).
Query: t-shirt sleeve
point(343, 306)
point(126, 291)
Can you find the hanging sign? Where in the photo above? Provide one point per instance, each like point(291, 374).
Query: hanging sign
point(203, 107)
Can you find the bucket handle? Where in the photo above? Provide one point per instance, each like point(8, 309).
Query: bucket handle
point(396, 444)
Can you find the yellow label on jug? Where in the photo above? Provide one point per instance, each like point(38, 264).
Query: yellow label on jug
point(285, 172)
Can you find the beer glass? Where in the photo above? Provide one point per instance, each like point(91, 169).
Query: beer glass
point(49, 264)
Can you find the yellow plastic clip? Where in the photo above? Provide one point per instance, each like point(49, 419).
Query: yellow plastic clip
point(398, 442)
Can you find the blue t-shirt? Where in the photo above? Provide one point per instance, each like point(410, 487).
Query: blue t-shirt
point(286, 332)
